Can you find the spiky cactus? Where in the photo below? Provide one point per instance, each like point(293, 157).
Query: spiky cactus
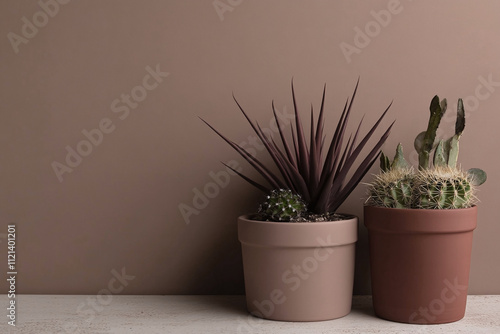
point(443, 188)
point(392, 189)
point(282, 206)
point(439, 183)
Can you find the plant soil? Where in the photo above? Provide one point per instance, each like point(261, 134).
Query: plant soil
point(308, 218)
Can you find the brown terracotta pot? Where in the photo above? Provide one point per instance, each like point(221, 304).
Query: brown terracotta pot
point(298, 271)
point(420, 262)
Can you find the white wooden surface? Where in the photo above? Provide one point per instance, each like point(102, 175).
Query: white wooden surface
point(42, 314)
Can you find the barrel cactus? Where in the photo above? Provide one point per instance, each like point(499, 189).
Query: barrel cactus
point(443, 188)
point(392, 189)
point(282, 205)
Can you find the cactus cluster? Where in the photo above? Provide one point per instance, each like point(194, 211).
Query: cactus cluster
point(282, 205)
point(438, 184)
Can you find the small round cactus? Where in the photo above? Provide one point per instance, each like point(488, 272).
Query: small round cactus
point(443, 188)
point(392, 189)
point(282, 205)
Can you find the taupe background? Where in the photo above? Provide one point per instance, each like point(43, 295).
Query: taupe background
point(120, 207)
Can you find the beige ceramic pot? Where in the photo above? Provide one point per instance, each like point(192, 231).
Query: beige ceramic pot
point(420, 262)
point(298, 271)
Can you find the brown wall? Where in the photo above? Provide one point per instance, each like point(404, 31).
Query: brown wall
point(119, 206)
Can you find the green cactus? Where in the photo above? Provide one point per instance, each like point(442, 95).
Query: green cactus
point(392, 189)
point(282, 206)
point(440, 155)
point(437, 110)
point(385, 164)
point(398, 162)
point(451, 146)
point(477, 176)
point(443, 188)
point(437, 185)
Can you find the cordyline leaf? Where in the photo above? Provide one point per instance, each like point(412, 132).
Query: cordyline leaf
point(363, 168)
point(287, 169)
point(296, 150)
point(281, 158)
point(263, 138)
point(283, 139)
point(333, 150)
point(314, 159)
point(324, 185)
point(350, 160)
point(355, 136)
point(326, 188)
point(269, 176)
point(278, 157)
point(332, 160)
point(321, 121)
point(252, 182)
point(301, 142)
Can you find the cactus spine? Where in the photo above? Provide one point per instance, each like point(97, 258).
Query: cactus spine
point(443, 188)
point(392, 189)
point(439, 184)
point(282, 206)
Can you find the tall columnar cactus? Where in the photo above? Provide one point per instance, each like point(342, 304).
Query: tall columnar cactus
point(443, 188)
point(424, 143)
point(282, 206)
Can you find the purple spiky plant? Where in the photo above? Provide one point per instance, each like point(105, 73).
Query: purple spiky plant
point(324, 182)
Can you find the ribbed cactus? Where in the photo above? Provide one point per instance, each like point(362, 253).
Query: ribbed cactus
point(392, 189)
point(282, 206)
point(443, 188)
point(438, 184)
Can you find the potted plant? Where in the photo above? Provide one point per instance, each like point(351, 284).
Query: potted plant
point(298, 253)
point(420, 224)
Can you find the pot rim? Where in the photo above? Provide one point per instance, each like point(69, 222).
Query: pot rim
point(418, 210)
point(422, 221)
point(347, 216)
point(303, 234)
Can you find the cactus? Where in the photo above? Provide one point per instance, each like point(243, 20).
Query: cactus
point(392, 189)
point(437, 110)
point(282, 206)
point(440, 155)
point(437, 185)
point(385, 164)
point(477, 176)
point(443, 188)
